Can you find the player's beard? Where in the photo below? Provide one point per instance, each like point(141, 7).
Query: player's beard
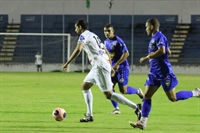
point(77, 33)
point(149, 33)
point(109, 36)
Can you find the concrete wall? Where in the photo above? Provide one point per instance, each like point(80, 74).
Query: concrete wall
point(184, 8)
point(187, 69)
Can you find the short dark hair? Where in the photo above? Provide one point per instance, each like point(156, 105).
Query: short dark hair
point(108, 25)
point(155, 22)
point(83, 23)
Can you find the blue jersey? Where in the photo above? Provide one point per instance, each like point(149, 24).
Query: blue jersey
point(116, 47)
point(160, 67)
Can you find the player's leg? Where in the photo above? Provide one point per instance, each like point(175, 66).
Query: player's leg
point(123, 100)
point(122, 79)
point(37, 68)
point(40, 68)
point(88, 97)
point(146, 107)
point(131, 90)
point(115, 104)
point(105, 84)
point(151, 87)
point(169, 85)
point(116, 109)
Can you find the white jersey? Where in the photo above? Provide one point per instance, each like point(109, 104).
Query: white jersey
point(38, 59)
point(100, 74)
point(94, 48)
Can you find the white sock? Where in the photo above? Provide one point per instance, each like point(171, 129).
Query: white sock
point(138, 91)
point(121, 99)
point(117, 108)
point(144, 120)
point(88, 97)
point(195, 93)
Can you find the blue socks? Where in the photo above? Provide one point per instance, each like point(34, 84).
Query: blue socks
point(146, 107)
point(131, 90)
point(182, 95)
point(115, 104)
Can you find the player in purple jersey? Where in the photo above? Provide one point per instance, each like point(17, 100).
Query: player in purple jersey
point(119, 54)
point(160, 74)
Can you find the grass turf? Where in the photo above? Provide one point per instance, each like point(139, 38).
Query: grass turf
point(28, 99)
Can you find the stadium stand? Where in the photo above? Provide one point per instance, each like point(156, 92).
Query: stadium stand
point(31, 23)
point(52, 23)
point(8, 43)
point(190, 53)
point(177, 42)
point(27, 46)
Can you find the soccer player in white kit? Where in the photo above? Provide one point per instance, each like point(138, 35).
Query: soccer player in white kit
point(100, 73)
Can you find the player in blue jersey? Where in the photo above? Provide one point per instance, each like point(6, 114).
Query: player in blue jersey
point(119, 54)
point(160, 74)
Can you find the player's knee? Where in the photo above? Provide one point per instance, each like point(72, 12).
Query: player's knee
point(147, 96)
point(107, 95)
point(172, 99)
point(84, 87)
point(123, 91)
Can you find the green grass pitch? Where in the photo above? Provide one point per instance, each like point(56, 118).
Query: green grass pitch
point(28, 99)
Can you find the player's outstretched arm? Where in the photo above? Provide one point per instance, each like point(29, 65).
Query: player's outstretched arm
point(121, 60)
point(108, 55)
point(169, 51)
point(155, 54)
point(75, 53)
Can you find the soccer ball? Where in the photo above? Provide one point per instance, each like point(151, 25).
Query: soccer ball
point(59, 114)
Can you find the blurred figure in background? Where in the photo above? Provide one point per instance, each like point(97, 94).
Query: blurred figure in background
point(38, 62)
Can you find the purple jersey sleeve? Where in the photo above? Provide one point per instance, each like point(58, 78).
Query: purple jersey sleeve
point(116, 47)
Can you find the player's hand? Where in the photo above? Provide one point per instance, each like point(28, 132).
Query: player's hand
point(115, 67)
point(64, 67)
point(143, 59)
point(112, 72)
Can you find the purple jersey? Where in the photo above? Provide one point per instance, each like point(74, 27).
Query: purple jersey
point(116, 47)
point(159, 66)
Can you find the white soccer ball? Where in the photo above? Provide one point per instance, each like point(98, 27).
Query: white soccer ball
point(59, 114)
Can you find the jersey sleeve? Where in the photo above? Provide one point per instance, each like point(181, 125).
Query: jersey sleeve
point(160, 41)
point(104, 42)
point(102, 45)
point(81, 39)
point(122, 45)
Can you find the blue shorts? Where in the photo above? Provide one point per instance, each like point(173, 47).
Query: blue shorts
point(168, 83)
point(121, 77)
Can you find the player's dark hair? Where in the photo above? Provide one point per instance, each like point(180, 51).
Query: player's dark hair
point(83, 23)
point(108, 25)
point(154, 22)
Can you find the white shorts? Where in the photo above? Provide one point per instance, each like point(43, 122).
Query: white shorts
point(101, 77)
